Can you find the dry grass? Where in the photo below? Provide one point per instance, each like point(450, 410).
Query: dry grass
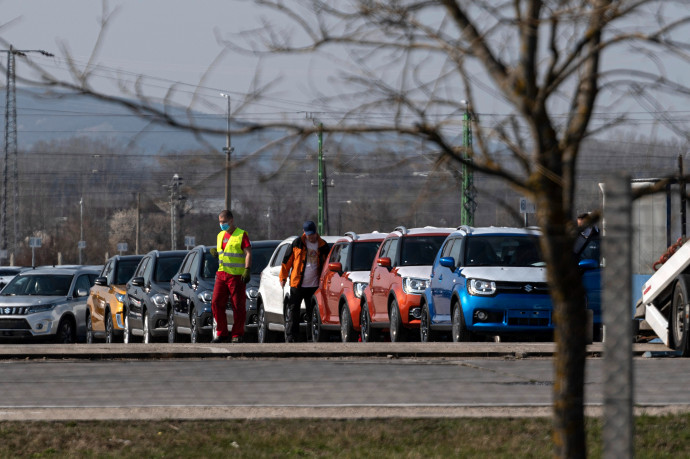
point(664, 436)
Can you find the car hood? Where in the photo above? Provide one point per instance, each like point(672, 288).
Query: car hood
point(23, 300)
point(506, 273)
point(358, 276)
point(423, 272)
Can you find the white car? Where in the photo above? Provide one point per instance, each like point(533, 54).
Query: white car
point(273, 298)
point(7, 273)
point(47, 303)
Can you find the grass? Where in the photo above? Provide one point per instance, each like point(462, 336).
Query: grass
point(655, 437)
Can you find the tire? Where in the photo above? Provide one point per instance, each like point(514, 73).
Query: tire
point(368, 333)
point(426, 335)
point(347, 331)
point(397, 331)
point(680, 316)
point(109, 329)
point(318, 334)
point(66, 331)
point(89, 328)
point(148, 338)
point(263, 334)
point(459, 329)
point(194, 333)
point(173, 336)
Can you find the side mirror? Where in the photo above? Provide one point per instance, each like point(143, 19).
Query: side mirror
point(184, 278)
point(82, 292)
point(588, 264)
point(102, 281)
point(385, 262)
point(138, 281)
point(447, 262)
point(335, 267)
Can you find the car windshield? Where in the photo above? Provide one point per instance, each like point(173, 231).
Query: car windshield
point(166, 268)
point(420, 250)
point(210, 266)
point(125, 271)
point(260, 258)
point(40, 284)
point(363, 254)
point(503, 250)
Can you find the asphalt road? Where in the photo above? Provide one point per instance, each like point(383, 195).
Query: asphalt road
point(54, 382)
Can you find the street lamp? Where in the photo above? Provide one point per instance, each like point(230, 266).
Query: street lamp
point(81, 243)
point(228, 150)
point(175, 197)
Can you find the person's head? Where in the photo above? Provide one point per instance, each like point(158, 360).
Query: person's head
point(309, 228)
point(225, 220)
point(581, 218)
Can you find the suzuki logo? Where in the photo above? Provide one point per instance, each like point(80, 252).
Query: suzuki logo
point(528, 288)
point(7, 310)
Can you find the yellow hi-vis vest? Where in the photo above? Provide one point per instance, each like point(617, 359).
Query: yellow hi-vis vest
point(231, 260)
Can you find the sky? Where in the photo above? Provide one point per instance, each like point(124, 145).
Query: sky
point(164, 41)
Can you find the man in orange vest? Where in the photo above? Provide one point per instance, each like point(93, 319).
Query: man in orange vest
point(234, 252)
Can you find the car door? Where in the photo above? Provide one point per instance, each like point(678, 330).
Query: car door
point(79, 297)
point(382, 279)
point(136, 294)
point(270, 285)
point(443, 280)
point(183, 291)
point(97, 298)
point(330, 284)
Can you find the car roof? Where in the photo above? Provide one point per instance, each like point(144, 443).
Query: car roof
point(126, 257)
point(167, 253)
point(426, 230)
point(496, 230)
point(61, 270)
point(266, 243)
point(328, 239)
point(373, 236)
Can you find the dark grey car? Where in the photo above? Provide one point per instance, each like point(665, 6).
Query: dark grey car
point(147, 295)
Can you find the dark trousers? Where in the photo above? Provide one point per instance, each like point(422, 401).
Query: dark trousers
point(297, 294)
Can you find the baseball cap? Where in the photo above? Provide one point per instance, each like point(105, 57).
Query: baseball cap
point(309, 227)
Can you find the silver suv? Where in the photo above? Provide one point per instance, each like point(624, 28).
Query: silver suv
point(47, 303)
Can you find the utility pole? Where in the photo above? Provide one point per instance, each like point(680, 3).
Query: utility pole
point(11, 139)
point(468, 202)
point(175, 197)
point(81, 226)
point(321, 178)
point(228, 150)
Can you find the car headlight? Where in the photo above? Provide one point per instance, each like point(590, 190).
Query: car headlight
point(359, 288)
point(120, 297)
point(40, 308)
point(252, 292)
point(206, 296)
point(481, 287)
point(414, 285)
point(160, 300)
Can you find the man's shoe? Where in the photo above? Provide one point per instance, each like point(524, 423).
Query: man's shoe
point(219, 339)
point(237, 339)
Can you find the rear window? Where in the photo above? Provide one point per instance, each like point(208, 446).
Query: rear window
point(420, 250)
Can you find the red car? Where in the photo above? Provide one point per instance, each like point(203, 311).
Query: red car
point(337, 301)
point(397, 281)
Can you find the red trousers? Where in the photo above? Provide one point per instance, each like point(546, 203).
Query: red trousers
point(231, 287)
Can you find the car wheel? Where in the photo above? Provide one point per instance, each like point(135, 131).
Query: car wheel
point(263, 334)
point(459, 329)
point(318, 335)
point(109, 329)
point(173, 337)
point(367, 333)
point(425, 333)
point(194, 327)
point(397, 331)
point(66, 332)
point(147, 329)
point(127, 336)
point(347, 331)
point(89, 328)
point(680, 320)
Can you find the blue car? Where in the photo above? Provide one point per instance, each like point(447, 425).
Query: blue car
point(487, 282)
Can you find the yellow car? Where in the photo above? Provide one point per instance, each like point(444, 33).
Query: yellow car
point(104, 319)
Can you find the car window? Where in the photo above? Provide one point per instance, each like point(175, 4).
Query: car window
point(186, 265)
point(447, 247)
point(363, 254)
point(393, 251)
point(192, 265)
point(260, 257)
point(420, 250)
point(335, 254)
point(107, 269)
point(343, 256)
point(148, 270)
point(210, 266)
point(83, 283)
point(456, 250)
point(125, 271)
point(166, 268)
point(142, 267)
point(8, 272)
point(280, 254)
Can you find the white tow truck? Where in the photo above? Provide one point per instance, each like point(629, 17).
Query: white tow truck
point(664, 305)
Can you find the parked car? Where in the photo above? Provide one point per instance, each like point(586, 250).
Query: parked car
point(487, 282)
point(191, 291)
point(261, 255)
point(46, 303)
point(105, 305)
point(397, 281)
point(337, 302)
point(7, 273)
point(147, 297)
point(272, 298)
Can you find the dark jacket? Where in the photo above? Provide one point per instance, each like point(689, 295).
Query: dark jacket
point(296, 259)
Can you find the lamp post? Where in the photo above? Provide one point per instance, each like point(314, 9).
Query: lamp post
point(175, 197)
point(228, 150)
point(81, 226)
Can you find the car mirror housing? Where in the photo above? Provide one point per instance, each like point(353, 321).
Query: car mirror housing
point(447, 262)
point(138, 281)
point(335, 266)
point(385, 262)
point(184, 278)
point(102, 281)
